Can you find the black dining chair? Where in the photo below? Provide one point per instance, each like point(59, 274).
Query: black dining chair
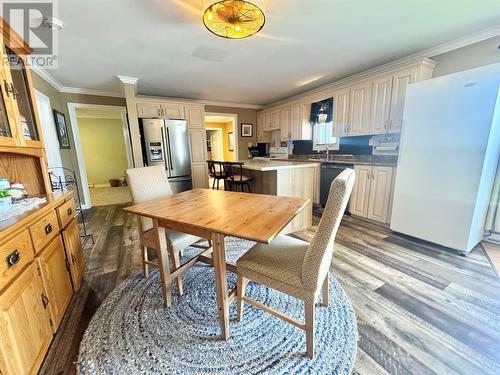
point(235, 176)
point(217, 172)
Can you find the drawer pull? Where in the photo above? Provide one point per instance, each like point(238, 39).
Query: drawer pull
point(48, 228)
point(45, 301)
point(69, 211)
point(73, 258)
point(13, 258)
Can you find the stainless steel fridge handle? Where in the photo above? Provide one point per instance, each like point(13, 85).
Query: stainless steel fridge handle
point(168, 149)
point(164, 147)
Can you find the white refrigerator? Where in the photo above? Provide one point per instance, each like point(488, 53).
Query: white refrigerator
point(449, 151)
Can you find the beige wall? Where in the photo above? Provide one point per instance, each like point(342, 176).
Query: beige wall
point(248, 116)
point(469, 57)
point(103, 149)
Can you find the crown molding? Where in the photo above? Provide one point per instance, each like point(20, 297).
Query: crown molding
point(128, 80)
point(423, 55)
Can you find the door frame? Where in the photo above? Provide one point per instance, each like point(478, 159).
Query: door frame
point(50, 137)
point(82, 170)
point(234, 118)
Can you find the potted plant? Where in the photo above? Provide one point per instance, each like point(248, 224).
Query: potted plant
point(5, 200)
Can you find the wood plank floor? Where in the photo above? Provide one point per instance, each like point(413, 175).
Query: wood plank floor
point(421, 309)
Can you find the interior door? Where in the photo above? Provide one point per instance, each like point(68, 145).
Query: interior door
point(216, 145)
point(177, 148)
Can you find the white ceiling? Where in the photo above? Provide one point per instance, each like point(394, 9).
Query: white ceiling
point(304, 44)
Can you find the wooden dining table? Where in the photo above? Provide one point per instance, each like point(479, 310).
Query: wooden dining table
point(215, 214)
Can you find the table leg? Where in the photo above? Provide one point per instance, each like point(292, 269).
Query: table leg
point(219, 256)
point(162, 252)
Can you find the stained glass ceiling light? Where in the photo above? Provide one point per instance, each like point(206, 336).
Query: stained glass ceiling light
point(234, 19)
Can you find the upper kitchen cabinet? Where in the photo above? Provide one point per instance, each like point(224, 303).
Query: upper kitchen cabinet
point(359, 109)
point(380, 104)
point(275, 120)
point(153, 109)
point(8, 133)
point(401, 81)
point(285, 126)
point(262, 136)
point(195, 115)
point(341, 112)
point(266, 118)
point(300, 125)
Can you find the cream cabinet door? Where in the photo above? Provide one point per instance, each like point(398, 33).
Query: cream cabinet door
point(56, 279)
point(380, 104)
point(149, 109)
point(285, 126)
point(173, 111)
point(262, 136)
point(200, 175)
point(267, 120)
point(198, 144)
point(401, 81)
point(359, 109)
point(25, 333)
point(361, 191)
point(275, 120)
point(380, 193)
point(340, 113)
point(295, 123)
point(195, 115)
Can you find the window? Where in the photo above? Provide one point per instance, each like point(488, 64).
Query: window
point(323, 138)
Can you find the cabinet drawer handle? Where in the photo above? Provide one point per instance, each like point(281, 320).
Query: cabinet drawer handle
point(48, 228)
point(69, 211)
point(45, 301)
point(13, 258)
point(73, 258)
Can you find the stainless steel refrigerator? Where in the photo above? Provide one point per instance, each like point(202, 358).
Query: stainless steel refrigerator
point(166, 142)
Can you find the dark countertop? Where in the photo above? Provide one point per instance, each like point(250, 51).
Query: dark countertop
point(381, 160)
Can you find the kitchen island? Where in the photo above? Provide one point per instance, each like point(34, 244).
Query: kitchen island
point(286, 179)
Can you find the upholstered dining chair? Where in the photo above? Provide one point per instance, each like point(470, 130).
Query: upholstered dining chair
point(146, 184)
point(295, 267)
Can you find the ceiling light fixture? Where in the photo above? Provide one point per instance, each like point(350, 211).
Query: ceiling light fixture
point(234, 19)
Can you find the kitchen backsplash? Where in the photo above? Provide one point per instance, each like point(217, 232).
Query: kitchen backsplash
point(348, 145)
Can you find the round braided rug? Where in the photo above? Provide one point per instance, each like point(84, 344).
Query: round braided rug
point(132, 333)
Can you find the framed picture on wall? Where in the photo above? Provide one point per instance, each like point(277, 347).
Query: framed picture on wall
point(247, 130)
point(230, 141)
point(61, 129)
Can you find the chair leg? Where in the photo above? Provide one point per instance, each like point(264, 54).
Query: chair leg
point(176, 261)
point(213, 184)
point(144, 256)
point(240, 292)
point(309, 318)
point(218, 184)
point(326, 299)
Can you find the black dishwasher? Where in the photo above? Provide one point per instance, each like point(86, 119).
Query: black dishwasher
point(329, 171)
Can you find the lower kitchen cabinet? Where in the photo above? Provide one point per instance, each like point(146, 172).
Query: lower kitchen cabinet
point(74, 253)
point(25, 332)
point(371, 196)
point(54, 271)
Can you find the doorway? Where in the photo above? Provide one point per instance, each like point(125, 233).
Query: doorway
point(221, 128)
point(103, 149)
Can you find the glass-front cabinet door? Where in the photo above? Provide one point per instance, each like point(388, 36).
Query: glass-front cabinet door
point(8, 128)
point(20, 83)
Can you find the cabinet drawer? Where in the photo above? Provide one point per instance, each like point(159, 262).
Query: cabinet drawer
point(44, 230)
point(14, 256)
point(66, 212)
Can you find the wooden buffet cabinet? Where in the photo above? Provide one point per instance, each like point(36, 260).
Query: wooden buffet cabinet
point(41, 256)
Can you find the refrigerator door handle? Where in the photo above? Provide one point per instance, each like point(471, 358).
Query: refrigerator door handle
point(164, 146)
point(168, 150)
